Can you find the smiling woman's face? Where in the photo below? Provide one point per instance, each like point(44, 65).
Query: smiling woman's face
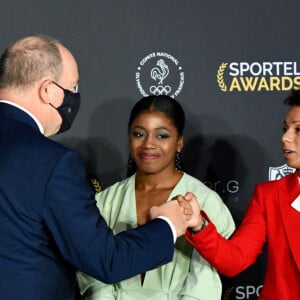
point(154, 140)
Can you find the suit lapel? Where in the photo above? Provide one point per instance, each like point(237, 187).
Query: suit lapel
point(291, 217)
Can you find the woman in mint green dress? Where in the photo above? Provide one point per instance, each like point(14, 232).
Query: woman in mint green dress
point(155, 176)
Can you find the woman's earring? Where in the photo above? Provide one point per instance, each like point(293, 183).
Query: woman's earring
point(131, 166)
point(178, 160)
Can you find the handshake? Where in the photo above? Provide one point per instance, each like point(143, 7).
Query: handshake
point(182, 211)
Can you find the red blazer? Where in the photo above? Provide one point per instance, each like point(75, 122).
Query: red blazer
point(269, 219)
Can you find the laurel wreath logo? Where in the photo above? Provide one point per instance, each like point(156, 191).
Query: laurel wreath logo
point(96, 185)
point(227, 293)
point(220, 77)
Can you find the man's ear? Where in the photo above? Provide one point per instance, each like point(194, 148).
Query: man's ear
point(46, 91)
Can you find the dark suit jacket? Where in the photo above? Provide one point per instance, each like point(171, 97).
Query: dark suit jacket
point(50, 225)
point(269, 218)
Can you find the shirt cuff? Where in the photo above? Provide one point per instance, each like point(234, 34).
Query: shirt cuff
point(172, 227)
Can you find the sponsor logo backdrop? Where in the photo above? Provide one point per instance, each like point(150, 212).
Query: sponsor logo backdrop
point(229, 63)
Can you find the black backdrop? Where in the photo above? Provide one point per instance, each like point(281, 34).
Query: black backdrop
point(229, 63)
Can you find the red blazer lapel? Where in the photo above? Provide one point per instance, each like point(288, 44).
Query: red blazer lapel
point(291, 217)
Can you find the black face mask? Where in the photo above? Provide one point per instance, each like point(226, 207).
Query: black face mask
point(68, 109)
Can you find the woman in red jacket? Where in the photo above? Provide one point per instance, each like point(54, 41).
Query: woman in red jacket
point(272, 217)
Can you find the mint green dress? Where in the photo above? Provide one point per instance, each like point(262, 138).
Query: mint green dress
point(188, 276)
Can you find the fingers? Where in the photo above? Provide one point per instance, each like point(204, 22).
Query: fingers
point(164, 209)
point(189, 196)
point(184, 212)
point(187, 209)
point(191, 209)
point(173, 212)
point(185, 206)
point(155, 211)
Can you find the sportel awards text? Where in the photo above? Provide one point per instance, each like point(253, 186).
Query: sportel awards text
point(259, 76)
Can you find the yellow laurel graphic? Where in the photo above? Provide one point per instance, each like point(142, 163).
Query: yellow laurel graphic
point(96, 185)
point(220, 78)
point(227, 293)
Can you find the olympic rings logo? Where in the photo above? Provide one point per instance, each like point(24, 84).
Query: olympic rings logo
point(160, 90)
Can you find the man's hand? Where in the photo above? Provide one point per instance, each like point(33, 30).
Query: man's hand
point(195, 220)
point(174, 213)
point(185, 206)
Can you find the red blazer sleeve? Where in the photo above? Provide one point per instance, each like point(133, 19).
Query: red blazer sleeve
point(232, 256)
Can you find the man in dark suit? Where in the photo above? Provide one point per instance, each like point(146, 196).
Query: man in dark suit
point(49, 223)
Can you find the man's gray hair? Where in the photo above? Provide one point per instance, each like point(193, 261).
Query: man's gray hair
point(29, 60)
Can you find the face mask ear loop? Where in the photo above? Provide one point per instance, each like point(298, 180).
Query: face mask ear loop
point(52, 105)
